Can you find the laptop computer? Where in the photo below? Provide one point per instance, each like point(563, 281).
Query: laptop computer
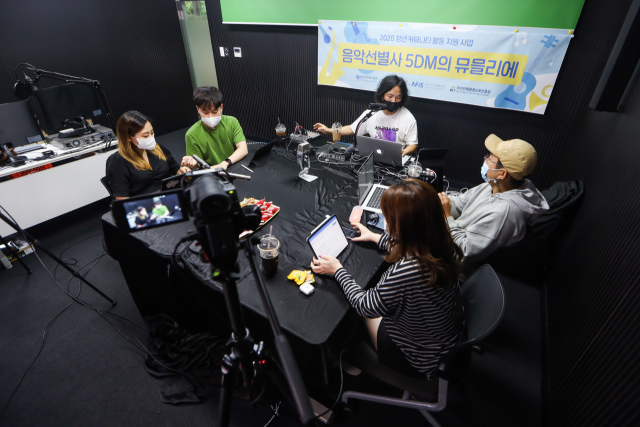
point(369, 193)
point(263, 154)
point(387, 152)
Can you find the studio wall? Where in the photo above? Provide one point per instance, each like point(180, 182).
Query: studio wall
point(134, 48)
point(593, 292)
point(277, 77)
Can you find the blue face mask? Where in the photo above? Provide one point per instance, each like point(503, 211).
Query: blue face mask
point(483, 171)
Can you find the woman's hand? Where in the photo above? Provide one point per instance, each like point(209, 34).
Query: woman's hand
point(321, 128)
point(183, 170)
point(366, 235)
point(325, 265)
point(190, 162)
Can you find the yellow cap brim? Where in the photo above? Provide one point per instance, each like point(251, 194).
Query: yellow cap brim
point(491, 143)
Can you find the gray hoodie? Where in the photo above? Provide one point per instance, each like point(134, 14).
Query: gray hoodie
point(482, 222)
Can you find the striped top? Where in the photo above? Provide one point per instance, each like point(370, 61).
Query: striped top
point(423, 321)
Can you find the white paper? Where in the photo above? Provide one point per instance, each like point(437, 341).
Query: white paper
point(308, 177)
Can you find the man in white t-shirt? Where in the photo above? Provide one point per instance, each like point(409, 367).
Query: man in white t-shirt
point(395, 123)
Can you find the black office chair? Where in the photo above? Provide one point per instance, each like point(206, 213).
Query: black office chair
point(105, 182)
point(484, 305)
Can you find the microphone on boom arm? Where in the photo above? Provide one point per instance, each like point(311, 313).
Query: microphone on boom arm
point(376, 106)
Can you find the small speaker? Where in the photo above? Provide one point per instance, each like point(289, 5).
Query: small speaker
point(623, 65)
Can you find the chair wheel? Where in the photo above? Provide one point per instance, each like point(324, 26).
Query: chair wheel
point(350, 408)
point(478, 349)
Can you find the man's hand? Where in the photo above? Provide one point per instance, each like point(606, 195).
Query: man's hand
point(325, 265)
point(321, 128)
point(183, 170)
point(446, 203)
point(409, 150)
point(190, 162)
point(223, 165)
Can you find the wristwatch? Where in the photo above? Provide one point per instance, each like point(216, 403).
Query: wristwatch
point(228, 161)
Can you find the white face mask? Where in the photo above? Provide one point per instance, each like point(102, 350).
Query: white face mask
point(211, 121)
point(147, 143)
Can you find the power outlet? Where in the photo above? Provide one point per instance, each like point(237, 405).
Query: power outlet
point(224, 51)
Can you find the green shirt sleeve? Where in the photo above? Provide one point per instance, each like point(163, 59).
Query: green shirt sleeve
point(238, 135)
point(192, 146)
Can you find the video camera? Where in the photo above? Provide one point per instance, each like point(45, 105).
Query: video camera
point(211, 201)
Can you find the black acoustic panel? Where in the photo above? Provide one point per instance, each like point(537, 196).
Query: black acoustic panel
point(594, 293)
point(133, 48)
point(624, 60)
point(277, 76)
point(147, 46)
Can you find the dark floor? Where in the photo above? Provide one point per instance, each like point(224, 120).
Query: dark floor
point(89, 375)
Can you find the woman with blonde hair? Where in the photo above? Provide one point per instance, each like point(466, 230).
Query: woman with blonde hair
point(140, 164)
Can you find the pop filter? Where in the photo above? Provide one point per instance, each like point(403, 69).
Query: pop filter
point(21, 90)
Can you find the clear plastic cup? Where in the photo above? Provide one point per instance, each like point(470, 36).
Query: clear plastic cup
point(269, 252)
point(281, 131)
point(414, 170)
point(336, 131)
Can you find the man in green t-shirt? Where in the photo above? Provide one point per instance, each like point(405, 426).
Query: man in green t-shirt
point(216, 139)
point(159, 211)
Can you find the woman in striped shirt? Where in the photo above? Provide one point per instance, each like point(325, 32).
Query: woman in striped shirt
point(414, 314)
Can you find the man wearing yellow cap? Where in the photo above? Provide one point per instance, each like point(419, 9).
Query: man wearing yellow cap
point(495, 214)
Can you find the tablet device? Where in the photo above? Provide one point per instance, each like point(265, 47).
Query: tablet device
point(328, 238)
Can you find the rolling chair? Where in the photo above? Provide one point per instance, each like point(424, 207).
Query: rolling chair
point(484, 304)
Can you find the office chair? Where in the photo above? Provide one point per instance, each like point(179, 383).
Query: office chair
point(105, 182)
point(484, 305)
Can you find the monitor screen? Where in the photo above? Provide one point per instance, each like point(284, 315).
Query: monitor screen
point(65, 102)
point(365, 179)
point(157, 209)
point(18, 125)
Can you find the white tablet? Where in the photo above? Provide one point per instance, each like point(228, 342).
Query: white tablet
point(328, 238)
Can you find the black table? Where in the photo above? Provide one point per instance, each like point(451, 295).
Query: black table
point(192, 296)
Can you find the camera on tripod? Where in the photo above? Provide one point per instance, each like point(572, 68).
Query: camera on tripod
point(211, 200)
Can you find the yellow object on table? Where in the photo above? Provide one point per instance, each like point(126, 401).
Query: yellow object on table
point(301, 276)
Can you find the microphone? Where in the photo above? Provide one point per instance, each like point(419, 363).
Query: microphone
point(202, 163)
point(376, 106)
point(24, 87)
point(302, 156)
point(239, 176)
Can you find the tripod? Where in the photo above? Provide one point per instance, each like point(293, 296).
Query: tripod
point(64, 265)
point(243, 349)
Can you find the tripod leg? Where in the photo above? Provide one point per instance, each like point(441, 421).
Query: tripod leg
point(228, 383)
point(15, 253)
point(70, 270)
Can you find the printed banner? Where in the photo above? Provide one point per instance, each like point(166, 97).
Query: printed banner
point(498, 67)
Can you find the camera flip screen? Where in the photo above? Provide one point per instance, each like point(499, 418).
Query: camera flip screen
point(152, 211)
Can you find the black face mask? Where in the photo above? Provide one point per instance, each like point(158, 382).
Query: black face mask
point(392, 106)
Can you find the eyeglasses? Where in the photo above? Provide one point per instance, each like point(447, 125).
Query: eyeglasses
point(488, 157)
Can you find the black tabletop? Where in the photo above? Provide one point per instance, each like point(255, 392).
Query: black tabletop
point(303, 206)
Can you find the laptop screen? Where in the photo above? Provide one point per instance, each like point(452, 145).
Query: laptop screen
point(365, 179)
